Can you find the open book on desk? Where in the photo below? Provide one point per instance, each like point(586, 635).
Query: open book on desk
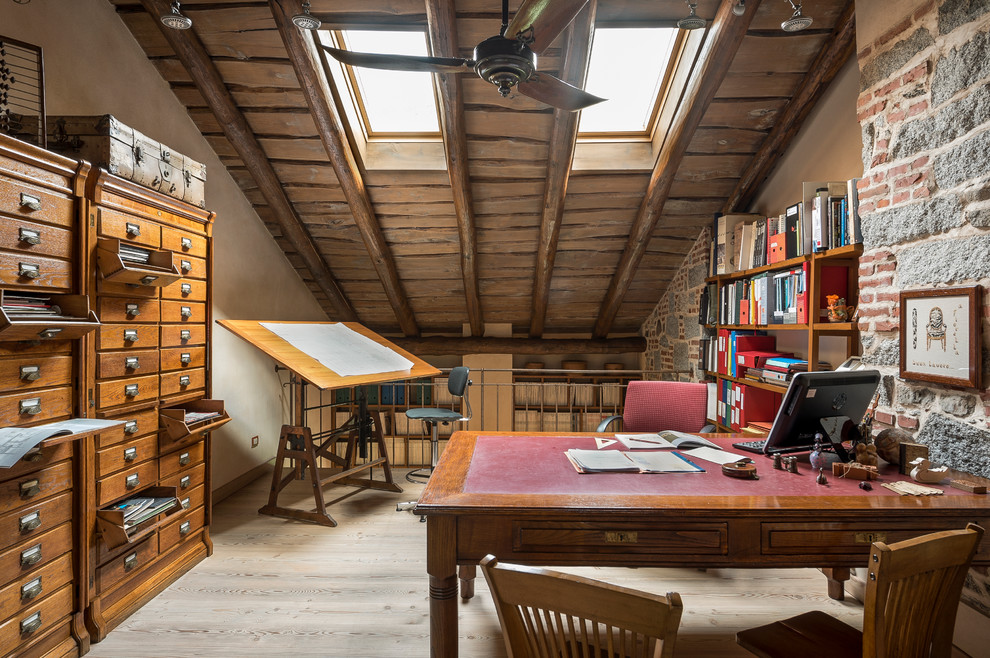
point(665, 440)
point(617, 461)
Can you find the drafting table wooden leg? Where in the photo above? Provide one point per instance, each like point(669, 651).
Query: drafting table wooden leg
point(441, 565)
point(350, 457)
point(289, 446)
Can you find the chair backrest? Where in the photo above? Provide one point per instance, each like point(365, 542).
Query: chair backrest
point(655, 406)
point(457, 383)
point(912, 593)
point(548, 614)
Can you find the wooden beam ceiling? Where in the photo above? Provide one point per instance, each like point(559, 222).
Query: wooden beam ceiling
point(210, 84)
point(561, 155)
point(442, 22)
point(723, 40)
point(328, 124)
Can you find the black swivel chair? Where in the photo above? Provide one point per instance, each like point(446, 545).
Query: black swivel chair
point(457, 384)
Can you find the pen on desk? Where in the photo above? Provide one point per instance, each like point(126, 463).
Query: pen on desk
point(689, 461)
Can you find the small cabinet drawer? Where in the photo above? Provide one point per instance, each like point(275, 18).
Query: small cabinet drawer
point(125, 455)
point(28, 488)
point(190, 266)
point(189, 312)
point(125, 336)
point(36, 459)
point(122, 309)
point(191, 500)
point(37, 620)
point(126, 564)
point(185, 527)
point(19, 269)
point(39, 239)
point(33, 520)
point(33, 553)
point(621, 537)
point(180, 459)
point(33, 406)
point(115, 288)
point(183, 381)
point(32, 587)
point(191, 334)
point(186, 480)
point(22, 201)
point(182, 358)
point(126, 391)
point(126, 364)
point(186, 289)
point(35, 372)
point(136, 424)
point(128, 228)
point(126, 483)
point(183, 242)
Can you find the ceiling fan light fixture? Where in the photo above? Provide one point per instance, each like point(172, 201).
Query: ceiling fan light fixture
point(504, 62)
point(692, 21)
point(175, 19)
point(797, 22)
point(305, 20)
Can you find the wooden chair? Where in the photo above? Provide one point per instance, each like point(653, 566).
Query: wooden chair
point(548, 614)
point(910, 611)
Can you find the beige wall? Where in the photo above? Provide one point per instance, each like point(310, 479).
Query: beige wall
point(94, 66)
point(875, 17)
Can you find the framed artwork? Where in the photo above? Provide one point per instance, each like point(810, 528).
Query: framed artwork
point(940, 336)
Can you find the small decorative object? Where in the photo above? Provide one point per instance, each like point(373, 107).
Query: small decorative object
point(866, 454)
point(912, 489)
point(743, 470)
point(888, 443)
point(791, 464)
point(908, 453)
point(778, 462)
point(821, 479)
point(944, 345)
point(22, 91)
point(866, 486)
point(817, 458)
point(968, 485)
point(854, 471)
point(837, 309)
point(923, 471)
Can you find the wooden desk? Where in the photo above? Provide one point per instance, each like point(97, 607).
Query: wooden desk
point(516, 496)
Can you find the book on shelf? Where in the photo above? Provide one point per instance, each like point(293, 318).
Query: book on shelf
point(617, 461)
point(726, 244)
point(664, 440)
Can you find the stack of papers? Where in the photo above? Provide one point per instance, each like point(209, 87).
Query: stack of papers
point(617, 461)
point(665, 440)
point(139, 510)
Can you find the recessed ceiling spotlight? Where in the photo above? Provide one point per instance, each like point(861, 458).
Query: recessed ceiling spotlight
point(175, 19)
point(305, 20)
point(739, 8)
point(797, 22)
point(692, 21)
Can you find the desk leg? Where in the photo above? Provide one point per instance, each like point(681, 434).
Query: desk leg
point(467, 573)
point(441, 565)
point(837, 576)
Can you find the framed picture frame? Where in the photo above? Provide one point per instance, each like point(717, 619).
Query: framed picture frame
point(940, 336)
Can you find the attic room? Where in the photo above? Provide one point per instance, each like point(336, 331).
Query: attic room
point(562, 240)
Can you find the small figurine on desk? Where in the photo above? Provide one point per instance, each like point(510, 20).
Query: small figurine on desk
point(817, 457)
point(791, 464)
point(778, 462)
point(922, 471)
point(821, 477)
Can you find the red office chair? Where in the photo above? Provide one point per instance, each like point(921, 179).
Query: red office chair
point(657, 406)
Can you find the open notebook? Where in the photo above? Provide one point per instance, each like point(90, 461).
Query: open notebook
point(665, 440)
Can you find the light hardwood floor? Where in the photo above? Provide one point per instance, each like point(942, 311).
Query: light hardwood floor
point(275, 587)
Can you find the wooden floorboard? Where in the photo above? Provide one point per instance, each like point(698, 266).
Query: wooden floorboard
point(275, 587)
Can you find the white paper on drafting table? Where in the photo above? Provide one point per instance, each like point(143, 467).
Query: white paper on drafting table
point(340, 348)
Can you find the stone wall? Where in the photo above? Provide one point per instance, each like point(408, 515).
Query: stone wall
point(924, 108)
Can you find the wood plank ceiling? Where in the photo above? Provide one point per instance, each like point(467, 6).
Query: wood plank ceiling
point(509, 233)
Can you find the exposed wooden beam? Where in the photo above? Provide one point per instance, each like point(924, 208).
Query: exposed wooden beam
point(302, 54)
point(723, 40)
point(838, 48)
point(196, 60)
point(442, 21)
point(457, 346)
point(561, 154)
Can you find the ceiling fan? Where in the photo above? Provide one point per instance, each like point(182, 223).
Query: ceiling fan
point(507, 60)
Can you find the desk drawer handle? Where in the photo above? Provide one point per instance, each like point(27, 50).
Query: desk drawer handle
point(185, 335)
point(133, 230)
point(186, 243)
point(184, 528)
point(185, 265)
point(185, 311)
point(30, 373)
point(185, 288)
point(30, 202)
point(183, 459)
point(132, 480)
point(31, 590)
point(130, 335)
point(184, 482)
point(29, 270)
point(130, 561)
point(29, 236)
point(30, 488)
point(131, 390)
point(185, 358)
point(130, 454)
point(29, 522)
point(131, 427)
point(132, 362)
point(31, 555)
point(148, 280)
point(33, 456)
point(49, 333)
point(184, 380)
point(185, 503)
point(31, 406)
point(132, 310)
point(31, 624)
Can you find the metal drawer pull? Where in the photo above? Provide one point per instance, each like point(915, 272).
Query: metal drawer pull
point(31, 624)
point(185, 311)
point(185, 334)
point(132, 481)
point(31, 555)
point(133, 229)
point(28, 270)
point(184, 528)
point(148, 280)
point(185, 357)
point(32, 589)
point(185, 503)
point(29, 236)
point(131, 390)
point(132, 310)
point(186, 243)
point(183, 459)
point(33, 455)
point(130, 427)
point(185, 265)
point(132, 362)
point(130, 335)
point(30, 373)
point(185, 288)
point(30, 202)
point(29, 522)
point(49, 333)
point(30, 488)
point(184, 482)
point(130, 454)
point(130, 561)
point(31, 407)
point(184, 380)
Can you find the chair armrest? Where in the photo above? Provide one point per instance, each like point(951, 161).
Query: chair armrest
point(603, 426)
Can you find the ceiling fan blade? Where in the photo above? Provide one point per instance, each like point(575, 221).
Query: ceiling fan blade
point(402, 62)
point(557, 93)
point(538, 22)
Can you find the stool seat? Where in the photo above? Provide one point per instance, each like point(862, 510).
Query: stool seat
point(434, 415)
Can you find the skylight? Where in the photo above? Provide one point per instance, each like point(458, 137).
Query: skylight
point(630, 67)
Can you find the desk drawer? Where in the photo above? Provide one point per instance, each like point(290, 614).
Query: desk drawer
point(36, 620)
point(186, 289)
point(185, 312)
point(129, 228)
point(124, 336)
point(192, 499)
point(19, 236)
point(126, 564)
point(180, 459)
point(126, 482)
point(116, 288)
point(30, 555)
point(35, 271)
point(183, 358)
point(19, 200)
point(186, 480)
point(190, 266)
point(126, 364)
point(178, 531)
point(36, 459)
point(31, 588)
point(131, 310)
point(28, 488)
point(136, 424)
point(126, 391)
point(183, 381)
point(35, 406)
point(123, 455)
point(34, 520)
point(621, 537)
point(183, 243)
point(31, 372)
point(852, 538)
point(183, 336)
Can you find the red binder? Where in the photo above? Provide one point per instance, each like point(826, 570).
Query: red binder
point(755, 404)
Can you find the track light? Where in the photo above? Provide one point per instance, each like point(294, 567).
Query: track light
point(692, 21)
point(306, 21)
point(739, 7)
point(175, 19)
point(797, 22)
